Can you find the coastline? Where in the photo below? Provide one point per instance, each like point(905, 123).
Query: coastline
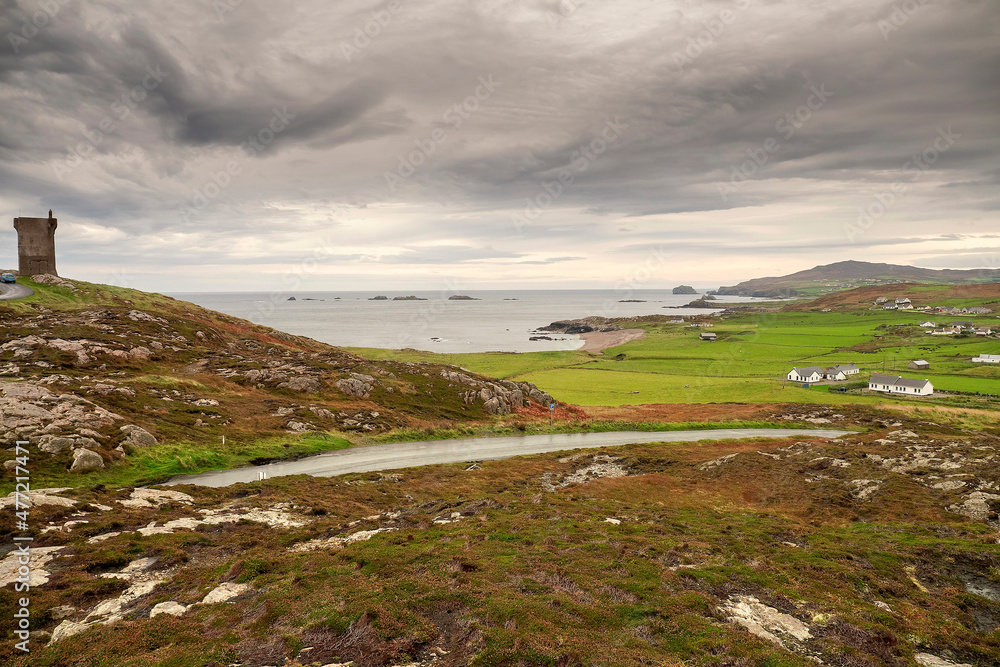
point(598, 341)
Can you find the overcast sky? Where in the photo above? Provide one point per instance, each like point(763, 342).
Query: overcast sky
point(416, 143)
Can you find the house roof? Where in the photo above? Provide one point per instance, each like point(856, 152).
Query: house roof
point(808, 370)
point(845, 367)
point(897, 381)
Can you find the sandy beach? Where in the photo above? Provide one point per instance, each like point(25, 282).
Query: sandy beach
point(596, 341)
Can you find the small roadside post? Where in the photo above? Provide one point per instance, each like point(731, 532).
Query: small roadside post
point(552, 411)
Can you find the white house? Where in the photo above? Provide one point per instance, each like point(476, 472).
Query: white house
point(891, 384)
point(986, 359)
point(806, 374)
point(928, 324)
point(840, 371)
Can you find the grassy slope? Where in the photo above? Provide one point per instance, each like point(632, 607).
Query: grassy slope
point(167, 386)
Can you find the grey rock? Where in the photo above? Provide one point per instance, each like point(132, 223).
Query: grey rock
point(137, 437)
point(539, 396)
point(301, 383)
point(85, 460)
point(354, 387)
point(171, 607)
point(89, 443)
point(54, 445)
point(323, 413)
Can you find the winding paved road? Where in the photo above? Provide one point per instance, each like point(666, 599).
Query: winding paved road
point(429, 452)
point(9, 291)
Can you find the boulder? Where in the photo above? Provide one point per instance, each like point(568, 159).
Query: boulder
point(225, 592)
point(354, 387)
point(54, 445)
point(137, 437)
point(495, 406)
point(539, 396)
point(301, 383)
point(85, 460)
point(26, 343)
point(67, 629)
point(171, 607)
point(322, 413)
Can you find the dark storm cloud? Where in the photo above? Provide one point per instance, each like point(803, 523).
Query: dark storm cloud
point(821, 105)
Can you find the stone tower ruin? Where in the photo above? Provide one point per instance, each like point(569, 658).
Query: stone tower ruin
point(36, 245)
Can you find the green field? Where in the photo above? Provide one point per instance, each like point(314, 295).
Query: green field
point(747, 363)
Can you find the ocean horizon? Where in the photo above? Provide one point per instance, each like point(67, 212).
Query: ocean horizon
point(492, 320)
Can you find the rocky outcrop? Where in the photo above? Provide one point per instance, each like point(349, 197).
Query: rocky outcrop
point(497, 399)
point(53, 445)
point(582, 325)
point(49, 279)
point(85, 460)
point(171, 607)
point(136, 436)
point(29, 410)
point(684, 289)
point(301, 383)
point(359, 385)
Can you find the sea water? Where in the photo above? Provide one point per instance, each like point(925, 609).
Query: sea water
point(497, 320)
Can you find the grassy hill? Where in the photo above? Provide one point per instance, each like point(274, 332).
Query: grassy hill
point(213, 390)
point(846, 275)
point(956, 296)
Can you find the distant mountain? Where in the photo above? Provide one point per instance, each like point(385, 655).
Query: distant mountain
point(850, 274)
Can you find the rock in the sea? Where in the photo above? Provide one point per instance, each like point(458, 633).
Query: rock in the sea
point(85, 460)
point(137, 436)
